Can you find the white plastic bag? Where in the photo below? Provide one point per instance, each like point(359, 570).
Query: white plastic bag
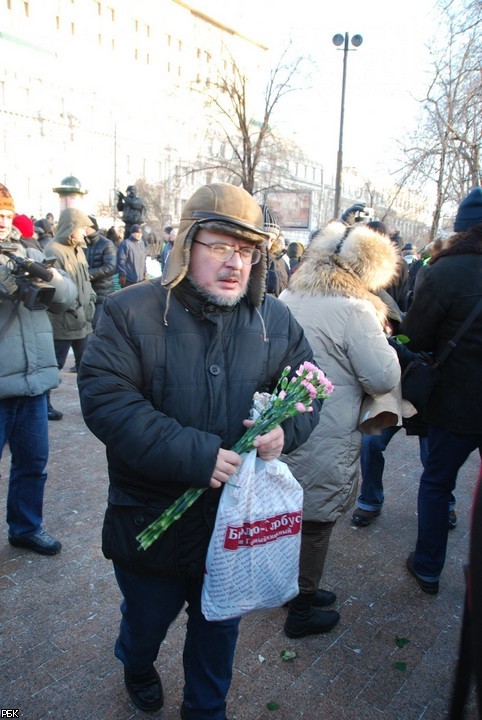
point(253, 556)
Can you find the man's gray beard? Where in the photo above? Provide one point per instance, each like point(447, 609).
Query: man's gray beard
point(218, 300)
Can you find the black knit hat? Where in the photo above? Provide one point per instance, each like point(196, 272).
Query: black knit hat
point(470, 211)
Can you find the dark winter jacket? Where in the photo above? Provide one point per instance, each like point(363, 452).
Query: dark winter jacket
point(102, 260)
point(164, 398)
point(452, 286)
point(278, 275)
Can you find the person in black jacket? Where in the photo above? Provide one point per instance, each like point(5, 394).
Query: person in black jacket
point(278, 271)
point(102, 260)
point(132, 209)
point(166, 383)
point(451, 289)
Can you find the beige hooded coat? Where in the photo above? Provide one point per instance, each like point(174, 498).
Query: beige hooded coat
point(331, 297)
point(75, 322)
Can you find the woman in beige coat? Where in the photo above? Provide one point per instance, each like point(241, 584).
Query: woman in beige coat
point(332, 297)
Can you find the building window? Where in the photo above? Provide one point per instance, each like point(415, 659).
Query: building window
point(112, 44)
point(27, 9)
point(148, 31)
point(148, 59)
point(99, 40)
point(57, 22)
point(179, 45)
point(72, 28)
point(169, 40)
point(112, 14)
point(99, 8)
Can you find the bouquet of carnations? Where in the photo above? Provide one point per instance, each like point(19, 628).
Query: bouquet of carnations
point(290, 397)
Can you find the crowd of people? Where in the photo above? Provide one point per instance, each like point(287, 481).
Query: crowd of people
point(167, 370)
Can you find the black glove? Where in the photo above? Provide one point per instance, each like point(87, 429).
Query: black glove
point(348, 216)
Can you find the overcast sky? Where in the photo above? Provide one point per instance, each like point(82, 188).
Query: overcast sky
point(385, 75)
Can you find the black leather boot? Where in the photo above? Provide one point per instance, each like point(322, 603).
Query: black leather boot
point(322, 598)
point(51, 412)
point(304, 619)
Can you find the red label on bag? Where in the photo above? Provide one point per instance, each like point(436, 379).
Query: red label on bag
point(263, 531)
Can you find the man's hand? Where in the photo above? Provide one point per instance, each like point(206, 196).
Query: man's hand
point(269, 446)
point(8, 284)
point(227, 464)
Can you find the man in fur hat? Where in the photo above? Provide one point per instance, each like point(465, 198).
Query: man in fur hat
point(28, 371)
point(166, 383)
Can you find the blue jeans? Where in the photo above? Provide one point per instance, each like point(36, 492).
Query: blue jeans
point(372, 464)
point(62, 348)
point(24, 426)
point(447, 453)
point(149, 607)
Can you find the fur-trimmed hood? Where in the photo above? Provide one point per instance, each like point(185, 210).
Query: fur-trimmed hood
point(463, 243)
point(351, 262)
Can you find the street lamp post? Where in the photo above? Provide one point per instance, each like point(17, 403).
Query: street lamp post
point(338, 40)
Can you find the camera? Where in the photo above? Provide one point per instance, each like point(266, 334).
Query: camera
point(31, 278)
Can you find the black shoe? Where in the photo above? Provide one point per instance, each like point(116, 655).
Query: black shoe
point(304, 619)
point(39, 541)
point(431, 588)
point(322, 598)
point(73, 369)
point(452, 519)
point(145, 690)
point(184, 715)
point(54, 414)
point(363, 518)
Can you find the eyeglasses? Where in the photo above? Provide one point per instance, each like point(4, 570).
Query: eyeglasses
point(223, 253)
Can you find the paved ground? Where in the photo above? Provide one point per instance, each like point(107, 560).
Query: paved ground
point(59, 615)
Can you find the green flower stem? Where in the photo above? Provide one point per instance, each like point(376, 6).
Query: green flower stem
point(277, 409)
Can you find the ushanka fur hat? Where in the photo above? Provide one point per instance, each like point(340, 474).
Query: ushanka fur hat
point(353, 262)
point(226, 209)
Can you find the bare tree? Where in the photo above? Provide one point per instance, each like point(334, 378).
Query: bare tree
point(247, 150)
point(444, 151)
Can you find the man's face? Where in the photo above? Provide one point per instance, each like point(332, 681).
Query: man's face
point(79, 234)
point(225, 282)
point(6, 217)
point(137, 235)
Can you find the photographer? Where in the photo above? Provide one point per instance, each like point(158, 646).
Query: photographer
point(28, 369)
point(132, 209)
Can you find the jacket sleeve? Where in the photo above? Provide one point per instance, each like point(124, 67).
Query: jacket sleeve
point(422, 322)
point(374, 361)
point(65, 291)
point(109, 263)
point(121, 259)
point(297, 429)
point(115, 408)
